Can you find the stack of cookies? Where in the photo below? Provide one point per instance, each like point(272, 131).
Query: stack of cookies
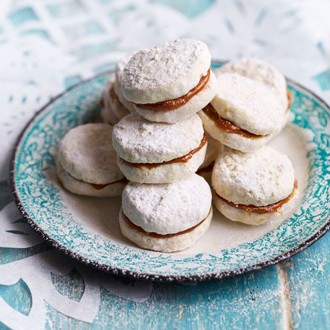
point(252, 183)
point(160, 101)
point(160, 146)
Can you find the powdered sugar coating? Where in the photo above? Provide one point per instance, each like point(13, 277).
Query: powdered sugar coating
point(86, 153)
point(117, 84)
point(260, 178)
point(113, 110)
point(195, 104)
point(163, 173)
point(85, 189)
point(138, 140)
point(214, 148)
point(168, 244)
point(248, 104)
point(261, 71)
point(165, 72)
point(167, 208)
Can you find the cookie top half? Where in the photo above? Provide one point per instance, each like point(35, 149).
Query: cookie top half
point(260, 178)
point(138, 140)
point(165, 72)
point(258, 70)
point(167, 208)
point(248, 104)
point(86, 153)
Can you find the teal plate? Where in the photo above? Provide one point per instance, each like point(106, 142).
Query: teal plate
point(87, 228)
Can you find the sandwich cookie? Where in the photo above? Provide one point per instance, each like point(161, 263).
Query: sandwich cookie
point(170, 82)
point(214, 148)
point(244, 114)
point(112, 110)
point(158, 152)
point(263, 72)
point(113, 104)
point(166, 217)
point(87, 162)
point(118, 82)
point(254, 187)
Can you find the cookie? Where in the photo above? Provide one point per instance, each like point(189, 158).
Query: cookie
point(263, 72)
point(158, 152)
point(214, 148)
point(170, 82)
point(113, 104)
point(244, 114)
point(166, 217)
point(87, 162)
point(112, 110)
point(254, 187)
point(117, 84)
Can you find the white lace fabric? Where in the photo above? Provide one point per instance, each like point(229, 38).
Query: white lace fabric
point(47, 46)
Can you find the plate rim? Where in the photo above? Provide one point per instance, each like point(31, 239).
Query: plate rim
point(120, 271)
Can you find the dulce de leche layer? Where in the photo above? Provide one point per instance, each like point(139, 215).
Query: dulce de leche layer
point(174, 104)
point(155, 235)
point(182, 159)
point(97, 186)
point(270, 208)
point(288, 93)
point(227, 125)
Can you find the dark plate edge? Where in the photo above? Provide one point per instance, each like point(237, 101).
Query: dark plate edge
point(146, 276)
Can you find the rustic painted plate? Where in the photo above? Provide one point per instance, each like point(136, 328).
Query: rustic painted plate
point(87, 228)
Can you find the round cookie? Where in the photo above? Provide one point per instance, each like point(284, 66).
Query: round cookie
point(114, 105)
point(112, 110)
point(87, 162)
point(166, 217)
point(244, 114)
point(170, 82)
point(117, 84)
point(254, 187)
point(261, 71)
point(214, 148)
point(157, 152)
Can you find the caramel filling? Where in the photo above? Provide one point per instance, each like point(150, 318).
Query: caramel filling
point(112, 93)
point(101, 102)
point(207, 168)
point(289, 99)
point(270, 208)
point(155, 235)
point(227, 125)
point(97, 186)
point(230, 127)
point(174, 104)
point(101, 186)
point(182, 159)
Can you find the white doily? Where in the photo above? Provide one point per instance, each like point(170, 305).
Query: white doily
point(44, 49)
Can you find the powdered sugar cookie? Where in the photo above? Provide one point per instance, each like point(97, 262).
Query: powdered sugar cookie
point(112, 110)
point(244, 114)
point(263, 72)
point(166, 217)
point(117, 84)
point(157, 152)
point(170, 82)
point(87, 162)
point(114, 105)
point(254, 187)
point(214, 148)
